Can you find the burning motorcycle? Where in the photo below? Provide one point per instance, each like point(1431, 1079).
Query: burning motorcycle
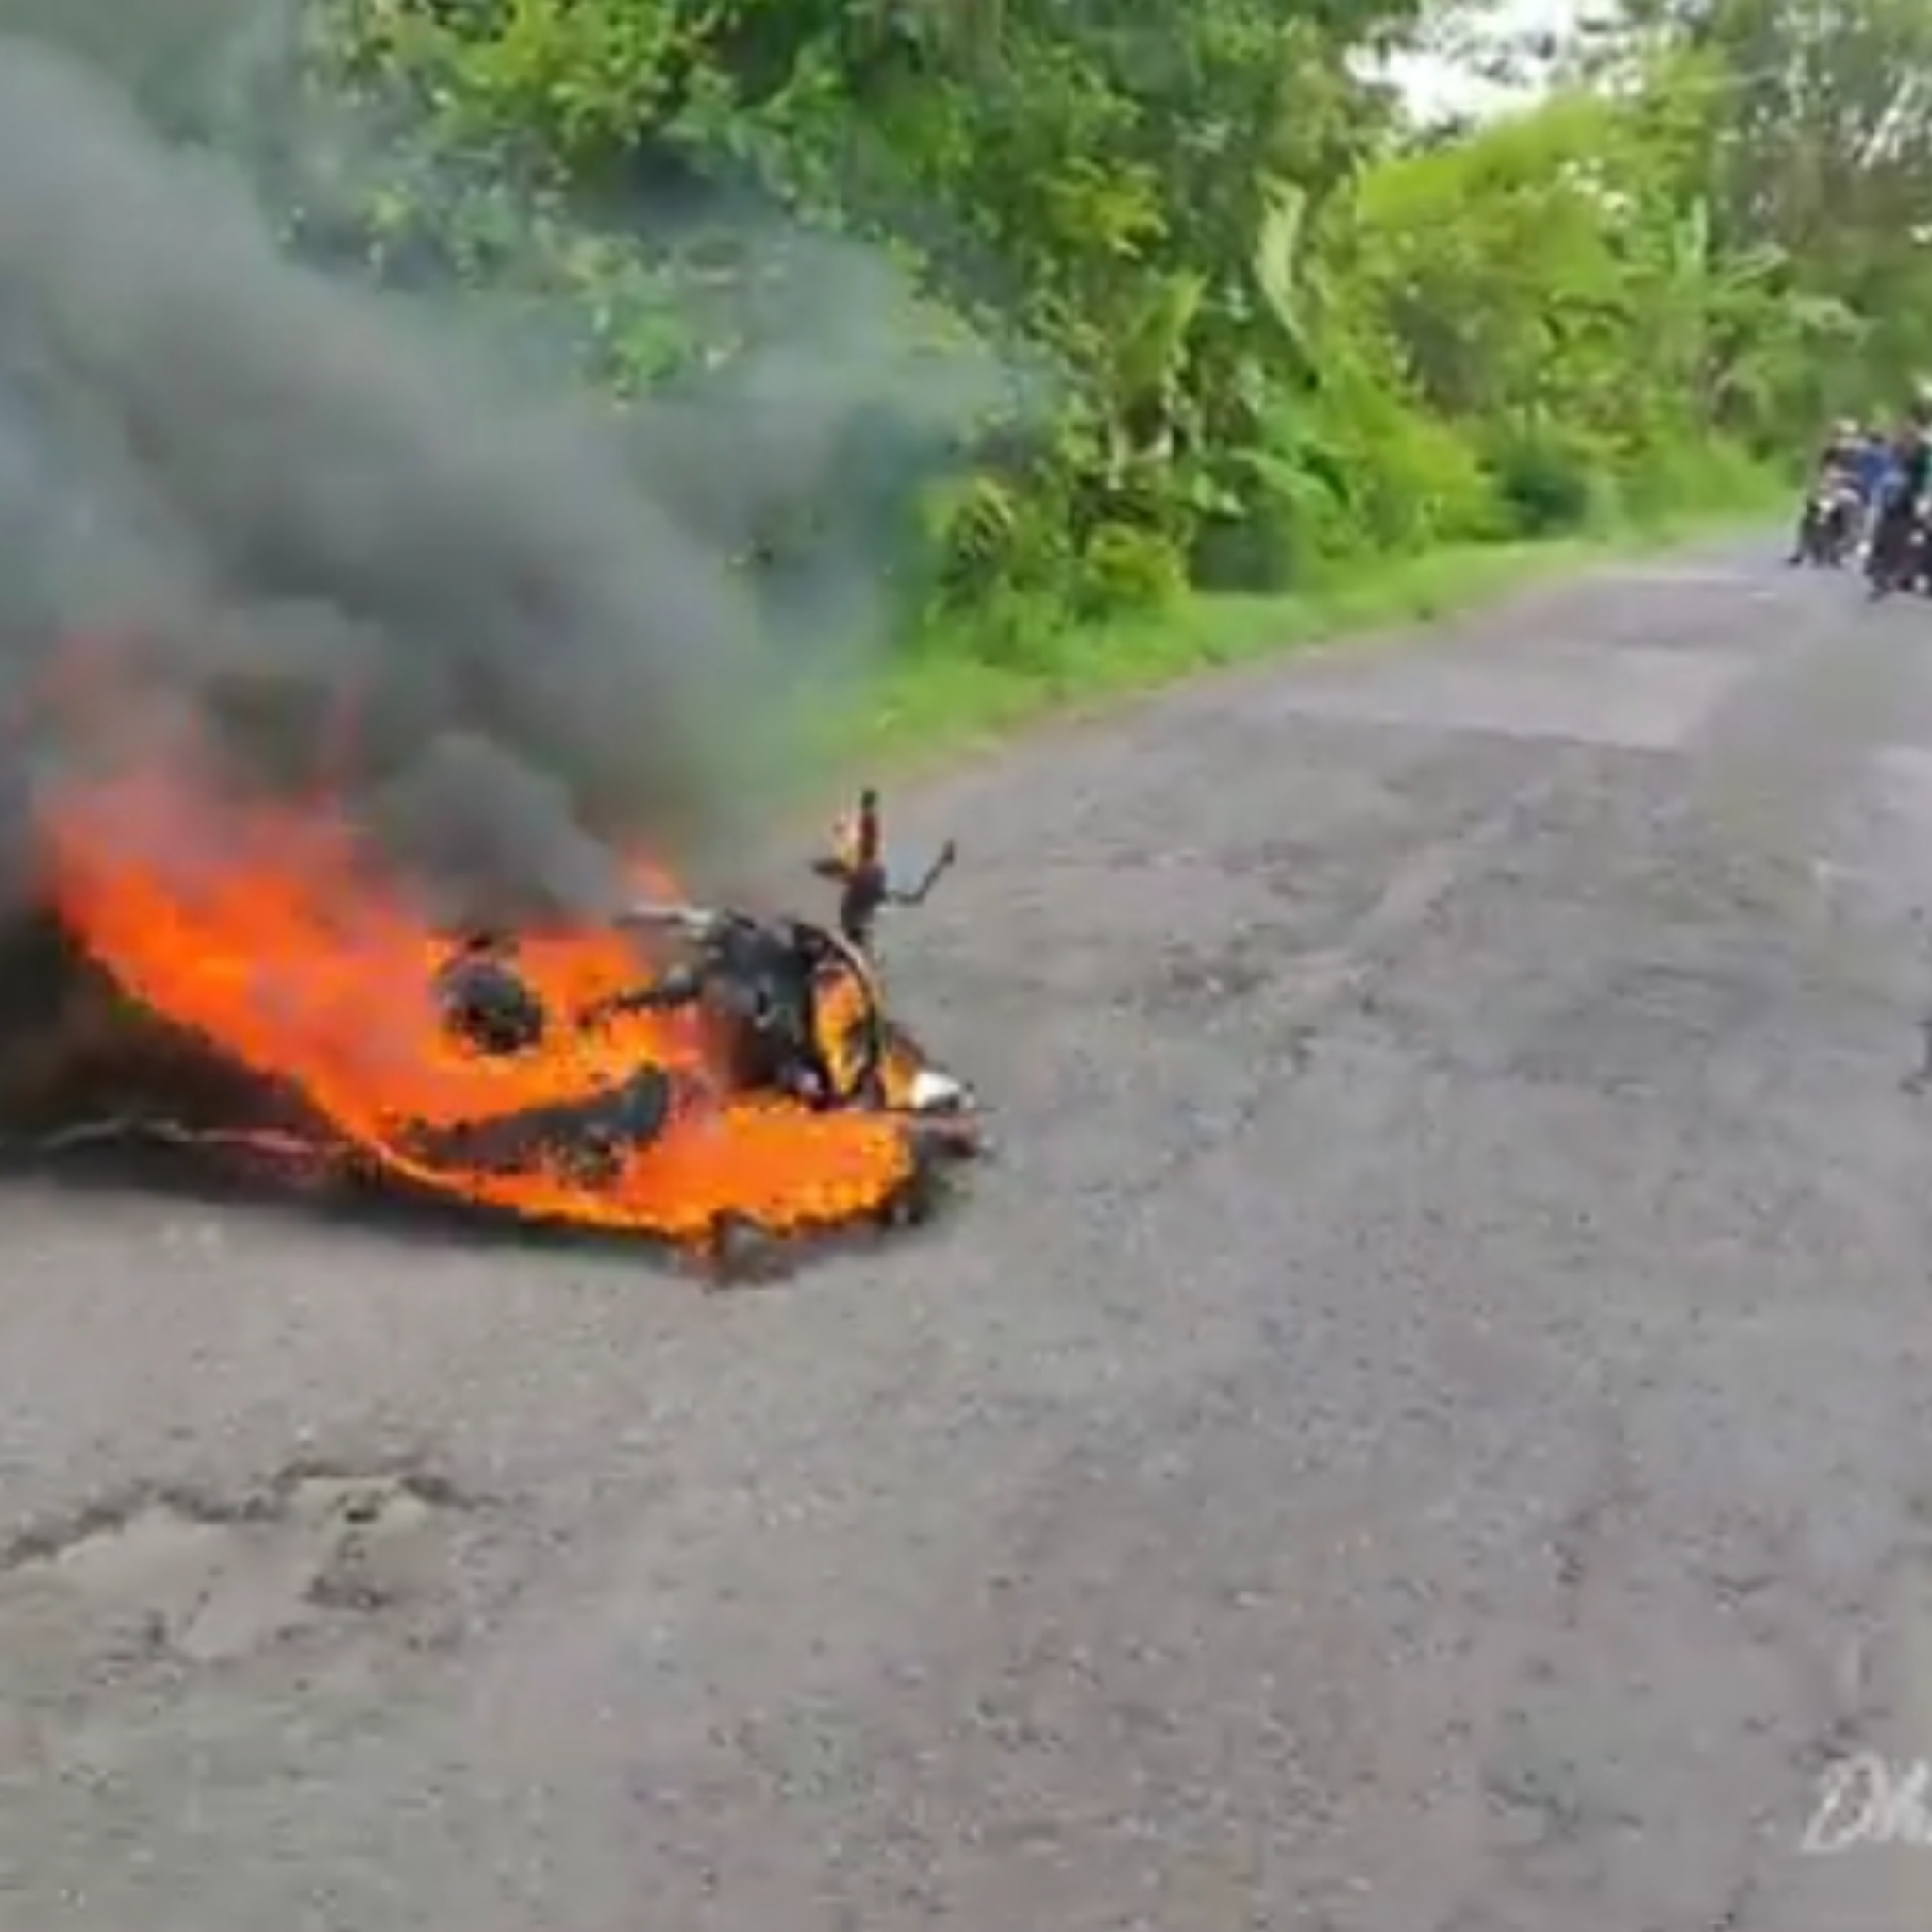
point(784, 1009)
point(686, 1072)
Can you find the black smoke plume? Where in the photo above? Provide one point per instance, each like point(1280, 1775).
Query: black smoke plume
point(336, 527)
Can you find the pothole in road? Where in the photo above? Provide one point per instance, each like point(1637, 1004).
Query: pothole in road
point(1192, 980)
point(208, 1582)
point(1645, 1026)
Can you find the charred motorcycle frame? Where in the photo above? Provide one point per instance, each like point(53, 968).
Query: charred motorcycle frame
point(784, 1008)
point(754, 1012)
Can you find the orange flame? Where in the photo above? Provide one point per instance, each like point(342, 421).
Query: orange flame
point(262, 930)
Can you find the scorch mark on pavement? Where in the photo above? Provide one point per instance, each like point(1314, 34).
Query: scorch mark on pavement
point(1427, 1427)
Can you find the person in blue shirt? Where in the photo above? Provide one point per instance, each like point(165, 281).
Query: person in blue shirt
point(1894, 549)
point(1878, 467)
point(1874, 464)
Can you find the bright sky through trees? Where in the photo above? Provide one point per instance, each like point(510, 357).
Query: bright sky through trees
point(1438, 85)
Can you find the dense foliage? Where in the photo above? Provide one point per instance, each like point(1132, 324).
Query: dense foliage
point(1246, 324)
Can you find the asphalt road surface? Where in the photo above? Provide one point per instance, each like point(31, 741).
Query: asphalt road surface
point(1427, 1430)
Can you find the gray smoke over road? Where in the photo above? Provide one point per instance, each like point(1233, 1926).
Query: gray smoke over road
point(330, 517)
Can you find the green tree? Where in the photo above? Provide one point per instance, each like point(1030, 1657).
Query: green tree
point(1252, 322)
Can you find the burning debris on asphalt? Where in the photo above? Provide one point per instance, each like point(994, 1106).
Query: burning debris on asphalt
point(319, 648)
point(269, 932)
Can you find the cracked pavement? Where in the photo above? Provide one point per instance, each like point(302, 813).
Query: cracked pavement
point(1424, 1431)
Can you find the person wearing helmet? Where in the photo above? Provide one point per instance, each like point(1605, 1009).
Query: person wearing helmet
point(1833, 485)
point(1895, 535)
point(1915, 451)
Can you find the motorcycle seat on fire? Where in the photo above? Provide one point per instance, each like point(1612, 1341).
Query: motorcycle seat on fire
point(586, 1138)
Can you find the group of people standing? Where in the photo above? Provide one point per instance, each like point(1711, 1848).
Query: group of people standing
point(1882, 478)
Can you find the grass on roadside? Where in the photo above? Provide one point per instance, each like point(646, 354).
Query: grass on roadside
point(940, 705)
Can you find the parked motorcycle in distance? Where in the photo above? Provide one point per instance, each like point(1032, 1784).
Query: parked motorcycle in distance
point(1829, 531)
point(1900, 557)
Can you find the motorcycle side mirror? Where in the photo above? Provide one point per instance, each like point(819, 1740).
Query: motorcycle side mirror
point(910, 886)
point(869, 880)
